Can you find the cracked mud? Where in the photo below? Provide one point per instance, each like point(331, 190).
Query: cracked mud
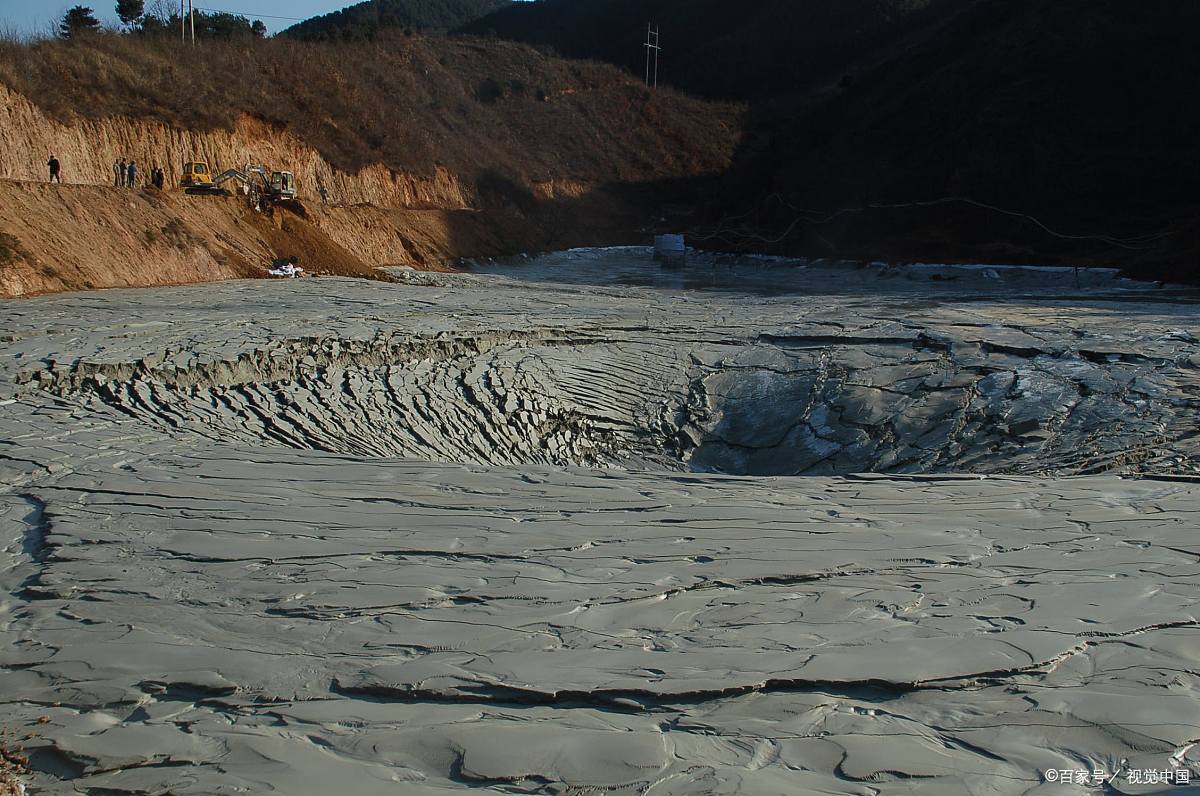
point(581, 526)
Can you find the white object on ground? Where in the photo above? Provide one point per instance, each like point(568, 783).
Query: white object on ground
point(668, 245)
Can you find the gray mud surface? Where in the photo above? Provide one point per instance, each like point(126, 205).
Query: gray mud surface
point(580, 526)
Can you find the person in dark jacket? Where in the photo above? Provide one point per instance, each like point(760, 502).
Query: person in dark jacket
point(55, 170)
point(132, 174)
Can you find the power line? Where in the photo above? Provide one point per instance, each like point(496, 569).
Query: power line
point(249, 14)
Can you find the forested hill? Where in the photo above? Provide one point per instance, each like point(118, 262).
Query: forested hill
point(1076, 112)
point(736, 49)
point(366, 20)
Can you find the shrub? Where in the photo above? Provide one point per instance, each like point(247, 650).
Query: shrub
point(10, 249)
point(489, 91)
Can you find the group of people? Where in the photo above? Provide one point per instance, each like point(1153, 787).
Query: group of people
point(125, 175)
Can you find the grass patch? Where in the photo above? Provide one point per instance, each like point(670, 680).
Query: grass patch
point(11, 249)
point(176, 233)
point(173, 233)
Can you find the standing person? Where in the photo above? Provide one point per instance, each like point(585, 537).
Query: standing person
point(122, 174)
point(118, 172)
point(132, 174)
point(324, 192)
point(55, 170)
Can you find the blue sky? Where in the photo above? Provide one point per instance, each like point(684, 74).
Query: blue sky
point(36, 16)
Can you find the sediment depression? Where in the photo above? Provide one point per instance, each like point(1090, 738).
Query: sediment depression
point(580, 525)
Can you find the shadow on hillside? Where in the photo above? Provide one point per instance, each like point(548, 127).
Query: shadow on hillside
point(1084, 139)
point(631, 214)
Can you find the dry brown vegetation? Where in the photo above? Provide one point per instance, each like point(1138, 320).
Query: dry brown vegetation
point(410, 102)
point(11, 249)
point(13, 764)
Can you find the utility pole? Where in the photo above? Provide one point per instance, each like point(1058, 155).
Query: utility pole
point(657, 49)
point(652, 43)
point(187, 13)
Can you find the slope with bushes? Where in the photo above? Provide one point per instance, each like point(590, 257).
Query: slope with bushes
point(724, 48)
point(365, 21)
point(412, 104)
point(1076, 112)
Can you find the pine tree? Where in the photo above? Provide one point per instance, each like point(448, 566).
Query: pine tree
point(130, 11)
point(79, 19)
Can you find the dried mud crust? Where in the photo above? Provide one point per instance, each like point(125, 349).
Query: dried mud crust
point(1005, 387)
point(322, 534)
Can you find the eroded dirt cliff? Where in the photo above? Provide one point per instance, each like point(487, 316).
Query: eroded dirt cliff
point(88, 147)
point(496, 197)
point(73, 237)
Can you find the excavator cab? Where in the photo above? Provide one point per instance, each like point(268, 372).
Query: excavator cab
point(196, 176)
point(283, 184)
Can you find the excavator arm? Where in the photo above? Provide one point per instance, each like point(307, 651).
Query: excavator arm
point(231, 174)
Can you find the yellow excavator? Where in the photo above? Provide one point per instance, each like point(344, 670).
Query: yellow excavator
point(197, 178)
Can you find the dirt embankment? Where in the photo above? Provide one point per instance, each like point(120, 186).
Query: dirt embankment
point(72, 237)
point(430, 149)
point(87, 148)
point(86, 233)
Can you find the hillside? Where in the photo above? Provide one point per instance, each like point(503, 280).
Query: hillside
point(724, 48)
point(410, 103)
point(1073, 112)
point(431, 149)
point(368, 20)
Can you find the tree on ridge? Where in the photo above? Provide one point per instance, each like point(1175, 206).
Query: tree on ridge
point(79, 19)
point(130, 11)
